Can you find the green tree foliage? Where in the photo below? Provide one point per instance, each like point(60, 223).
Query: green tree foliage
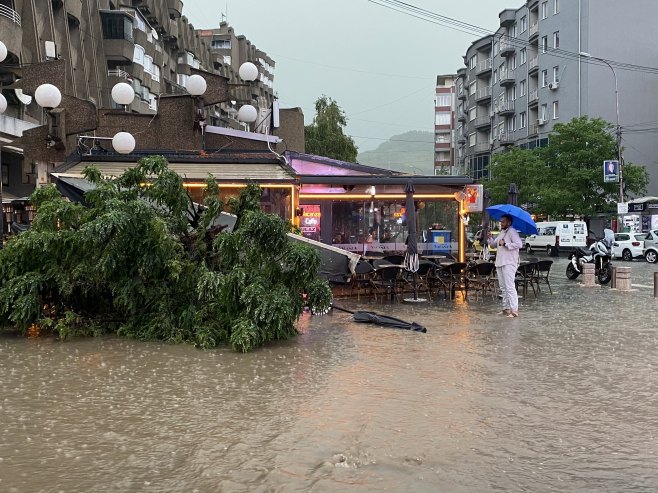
point(142, 262)
point(566, 176)
point(325, 137)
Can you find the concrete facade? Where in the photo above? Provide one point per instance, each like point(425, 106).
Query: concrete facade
point(444, 125)
point(85, 47)
point(529, 76)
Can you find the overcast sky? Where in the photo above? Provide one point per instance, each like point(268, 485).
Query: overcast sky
point(378, 64)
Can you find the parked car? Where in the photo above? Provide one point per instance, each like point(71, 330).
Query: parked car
point(565, 235)
point(628, 246)
point(477, 244)
point(651, 246)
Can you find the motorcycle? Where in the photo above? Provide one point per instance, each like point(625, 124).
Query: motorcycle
point(599, 253)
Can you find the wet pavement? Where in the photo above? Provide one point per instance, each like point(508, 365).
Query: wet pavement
point(563, 398)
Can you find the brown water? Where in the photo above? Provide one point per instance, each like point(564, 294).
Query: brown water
point(563, 399)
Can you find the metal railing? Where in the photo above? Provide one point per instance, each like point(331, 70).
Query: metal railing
point(534, 29)
point(534, 62)
point(505, 106)
point(482, 121)
point(10, 14)
point(122, 74)
point(507, 76)
point(533, 95)
point(533, 129)
point(483, 92)
point(484, 65)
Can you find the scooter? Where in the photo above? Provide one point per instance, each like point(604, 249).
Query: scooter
point(599, 253)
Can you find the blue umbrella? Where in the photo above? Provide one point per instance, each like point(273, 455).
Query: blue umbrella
point(521, 220)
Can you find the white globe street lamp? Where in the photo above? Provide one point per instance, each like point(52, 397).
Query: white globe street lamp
point(247, 113)
point(248, 72)
point(196, 85)
point(123, 94)
point(123, 143)
point(3, 52)
point(48, 96)
point(3, 104)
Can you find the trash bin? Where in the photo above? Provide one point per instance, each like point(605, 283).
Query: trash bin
point(440, 239)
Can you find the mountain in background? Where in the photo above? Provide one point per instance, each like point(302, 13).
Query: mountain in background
point(410, 152)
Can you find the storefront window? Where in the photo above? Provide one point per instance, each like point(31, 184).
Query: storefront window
point(381, 225)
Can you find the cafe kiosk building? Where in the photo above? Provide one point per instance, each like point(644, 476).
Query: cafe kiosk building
point(359, 203)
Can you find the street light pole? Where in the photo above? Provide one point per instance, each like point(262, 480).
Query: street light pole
point(618, 129)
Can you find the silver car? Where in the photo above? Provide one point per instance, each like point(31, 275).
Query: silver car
point(651, 246)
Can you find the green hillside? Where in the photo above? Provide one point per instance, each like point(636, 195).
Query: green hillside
point(411, 152)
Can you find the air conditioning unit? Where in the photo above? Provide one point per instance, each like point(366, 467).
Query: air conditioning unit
point(553, 85)
point(541, 121)
point(491, 114)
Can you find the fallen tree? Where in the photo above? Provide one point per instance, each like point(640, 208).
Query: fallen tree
point(143, 262)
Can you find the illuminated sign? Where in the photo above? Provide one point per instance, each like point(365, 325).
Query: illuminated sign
point(473, 200)
point(310, 222)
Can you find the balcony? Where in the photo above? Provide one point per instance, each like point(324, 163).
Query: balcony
point(175, 8)
point(533, 97)
point(533, 31)
point(74, 9)
point(507, 78)
point(507, 48)
point(462, 95)
point(13, 126)
point(506, 138)
point(507, 17)
point(461, 117)
point(506, 108)
point(482, 122)
point(461, 140)
point(483, 94)
point(533, 129)
point(483, 66)
point(12, 34)
point(533, 64)
point(482, 147)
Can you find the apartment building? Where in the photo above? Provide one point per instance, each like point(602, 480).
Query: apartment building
point(444, 125)
point(149, 44)
point(539, 68)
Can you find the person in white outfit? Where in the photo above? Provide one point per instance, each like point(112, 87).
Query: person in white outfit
point(507, 244)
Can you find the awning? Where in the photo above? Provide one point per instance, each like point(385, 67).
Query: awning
point(199, 171)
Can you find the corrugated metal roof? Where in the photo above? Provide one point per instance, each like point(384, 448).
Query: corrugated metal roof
point(198, 171)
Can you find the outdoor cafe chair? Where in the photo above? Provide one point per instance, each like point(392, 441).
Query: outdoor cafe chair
point(362, 278)
point(395, 259)
point(423, 276)
point(525, 276)
point(542, 272)
point(386, 279)
point(480, 277)
point(449, 278)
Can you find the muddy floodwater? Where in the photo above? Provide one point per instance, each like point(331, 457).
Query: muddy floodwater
point(565, 398)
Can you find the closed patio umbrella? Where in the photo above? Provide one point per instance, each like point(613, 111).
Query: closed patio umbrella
point(411, 260)
point(512, 194)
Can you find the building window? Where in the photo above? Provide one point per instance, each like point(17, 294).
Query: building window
point(138, 57)
point(556, 39)
point(480, 167)
point(443, 100)
point(472, 113)
point(556, 7)
point(511, 96)
point(544, 10)
point(496, 48)
point(542, 112)
point(148, 64)
point(471, 140)
point(117, 26)
point(513, 61)
point(513, 33)
point(524, 24)
point(443, 118)
point(556, 110)
point(181, 79)
point(523, 120)
point(221, 44)
point(472, 89)
point(522, 88)
point(472, 62)
point(524, 56)
point(495, 76)
point(139, 23)
point(544, 78)
point(511, 124)
point(556, 74)
point(443, 139)
point(544, 44)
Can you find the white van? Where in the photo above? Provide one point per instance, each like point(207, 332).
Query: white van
point(564, 235)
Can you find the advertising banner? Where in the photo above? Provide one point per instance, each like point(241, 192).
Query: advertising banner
point(474, 198)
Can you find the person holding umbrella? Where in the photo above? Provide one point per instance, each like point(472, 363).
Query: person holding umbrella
point(508, 243)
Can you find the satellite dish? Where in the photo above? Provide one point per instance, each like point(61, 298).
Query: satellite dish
point(154, 34)
point(23, 98)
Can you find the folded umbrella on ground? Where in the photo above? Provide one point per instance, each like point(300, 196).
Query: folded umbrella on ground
point(383, 320)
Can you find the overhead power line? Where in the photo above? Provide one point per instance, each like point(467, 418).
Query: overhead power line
point(457, 25)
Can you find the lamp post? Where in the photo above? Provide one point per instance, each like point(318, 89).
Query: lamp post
point(618, 129)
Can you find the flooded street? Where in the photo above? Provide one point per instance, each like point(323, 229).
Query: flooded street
point(562, 399)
